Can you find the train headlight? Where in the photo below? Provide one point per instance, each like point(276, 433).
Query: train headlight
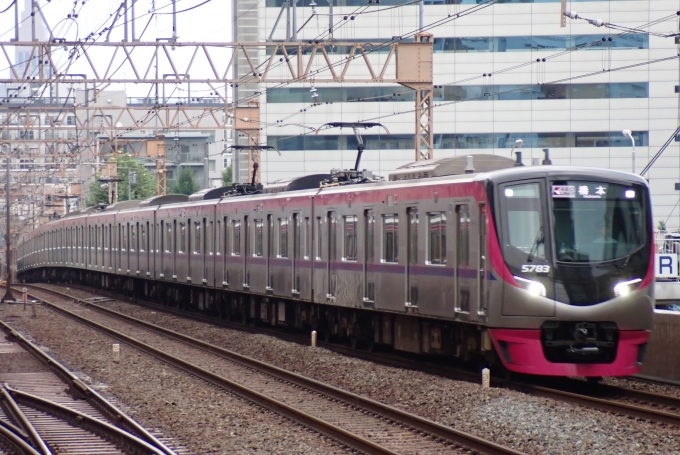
point(625, 287)
point(533, 287)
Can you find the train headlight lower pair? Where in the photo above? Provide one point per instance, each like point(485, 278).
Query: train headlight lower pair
point(626, 287)
point(533, 287)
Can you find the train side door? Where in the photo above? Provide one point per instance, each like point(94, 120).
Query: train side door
point(463, 266)
point(246, 251)
point(412, 257)
point(332, 226)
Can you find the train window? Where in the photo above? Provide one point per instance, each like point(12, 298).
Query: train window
point(182, 238)
point(218, 237)
point(197, 237)
point(296, 236)
point(412, 235)
point(225, 244)
point(148, 244)
point(369, 217)
point(208, 238)
point(350, 238)
point(142, 235)
point(306, 235)
point(124, 244)
point(283, 237)
point(319, 241)
point(259, 238)
point(168, 238)
point(133, 237)
point(332, 237)
point(236, 237)
point(391, 238)
point(463, 235)
point(437, 238)
point(524, 220)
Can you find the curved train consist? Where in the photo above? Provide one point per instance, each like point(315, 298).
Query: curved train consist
point(545, 269)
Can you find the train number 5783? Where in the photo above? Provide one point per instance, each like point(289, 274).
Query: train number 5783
point(533, 268)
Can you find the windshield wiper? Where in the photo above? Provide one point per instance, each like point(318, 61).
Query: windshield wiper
point(539, 239)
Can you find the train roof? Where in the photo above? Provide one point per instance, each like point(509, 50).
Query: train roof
point(164, 199)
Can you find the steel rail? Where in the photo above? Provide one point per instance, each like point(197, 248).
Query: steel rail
point(126, 440)
point(548, 392)
point(92, 396)
point(411, 420)
point(21, 419)
point(15, 440)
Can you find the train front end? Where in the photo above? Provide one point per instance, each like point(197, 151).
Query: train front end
point(574, 260)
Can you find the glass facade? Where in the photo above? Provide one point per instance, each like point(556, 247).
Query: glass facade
point(464, 92)
point(377, 3)
point(505, 43)
point(462, 141)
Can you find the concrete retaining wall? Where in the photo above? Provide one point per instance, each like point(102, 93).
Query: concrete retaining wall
point(662, 360)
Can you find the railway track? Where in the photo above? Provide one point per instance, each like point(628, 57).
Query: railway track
point(39, 415)
point(361, 423)
point(640, 404)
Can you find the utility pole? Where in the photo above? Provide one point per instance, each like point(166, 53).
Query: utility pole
point(9, 297)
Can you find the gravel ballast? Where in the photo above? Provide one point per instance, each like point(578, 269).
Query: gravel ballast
point(529, 424)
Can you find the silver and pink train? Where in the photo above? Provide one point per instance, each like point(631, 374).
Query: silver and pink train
point(546, 270)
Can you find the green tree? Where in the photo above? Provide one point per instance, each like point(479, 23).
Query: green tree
point(186, 183)
point(227, 176)
point(145, 187)
point(98, 193)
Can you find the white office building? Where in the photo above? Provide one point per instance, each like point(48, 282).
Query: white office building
point(513, 70)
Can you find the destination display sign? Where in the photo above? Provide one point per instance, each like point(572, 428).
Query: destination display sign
point(580, 191)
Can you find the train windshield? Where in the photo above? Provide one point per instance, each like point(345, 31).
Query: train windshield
point(597, 221)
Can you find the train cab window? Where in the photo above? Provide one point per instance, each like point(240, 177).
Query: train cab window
point(369, 218)
point(391, 238)
point(236, 238)
point(259, 238)
point(283, 237)
point(350, 238)
point(463, 235)
point(182, 238)
point(197, 237)
point(523, 227)
point(437, 238)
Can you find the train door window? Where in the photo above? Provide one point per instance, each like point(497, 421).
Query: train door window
point(391, 238)
point(297, 248)
point(148, 244)
point(463, 235)
point(189, 238)
point(236, 237)
point(369, 217)
point(319, 241)
point(197, 237)
point(332, 237)
point(182, 238)
point(124, 245)
point(259, 238)
point(283, 237)
point(169, 237)
point(218, 238)
point(133, 236)
point(209, 238)
point(307, 239)
point(412, 235)
point(142, 237)
point(226, 233)
point(437, 238)
point(350, 238)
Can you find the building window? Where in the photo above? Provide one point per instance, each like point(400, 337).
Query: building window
point(437, 230)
